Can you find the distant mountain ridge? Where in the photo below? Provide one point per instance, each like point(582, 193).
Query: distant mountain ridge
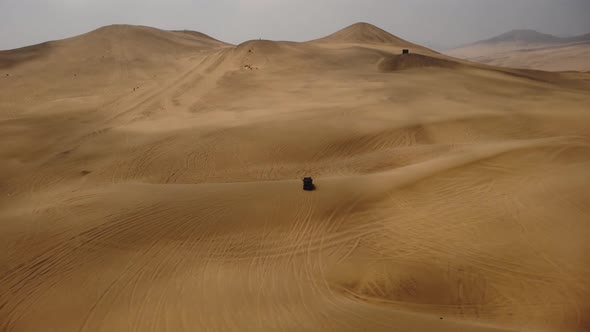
point(529, 49)
point(533, 37)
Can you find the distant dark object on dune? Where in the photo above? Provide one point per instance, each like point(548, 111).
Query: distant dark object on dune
point(308, 184)
point(405, 51)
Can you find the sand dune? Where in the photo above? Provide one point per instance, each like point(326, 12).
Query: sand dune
point(151, 180)
point(366, 34)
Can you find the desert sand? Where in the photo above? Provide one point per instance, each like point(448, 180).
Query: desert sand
point(151, 181)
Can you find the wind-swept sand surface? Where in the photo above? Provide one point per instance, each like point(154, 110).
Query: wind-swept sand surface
point(151, 181)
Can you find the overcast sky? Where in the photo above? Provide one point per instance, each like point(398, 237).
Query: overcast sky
point(435, 23)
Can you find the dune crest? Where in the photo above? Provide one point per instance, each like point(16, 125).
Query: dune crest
point(364, 33)
point(410, 61)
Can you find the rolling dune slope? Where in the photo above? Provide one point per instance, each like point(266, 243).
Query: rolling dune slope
point(151, 181)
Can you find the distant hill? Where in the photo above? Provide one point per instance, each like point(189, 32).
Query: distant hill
point(582, 38)
point(529, 49)
point(527, 36)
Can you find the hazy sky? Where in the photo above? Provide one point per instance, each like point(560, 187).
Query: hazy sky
point(435, 23)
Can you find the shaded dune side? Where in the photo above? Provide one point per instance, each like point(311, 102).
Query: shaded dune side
point(410, 61)
point(13, 58)
point(295, 58)
point(415, 61)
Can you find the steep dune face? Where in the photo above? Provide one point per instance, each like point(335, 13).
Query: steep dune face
point(160, 189)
